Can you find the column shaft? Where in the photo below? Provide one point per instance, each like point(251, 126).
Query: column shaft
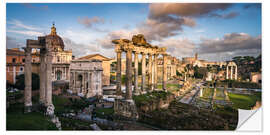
point(164, 71)
point(49, 78)
point(28, 79)
point(143, 72)
point(150, 72)
point(136, 73)
point(235, 73)
point(42, 78)
point(231, 72)
point(129, 75)
point(227, 72)
point(118, 75)
point(155, 71)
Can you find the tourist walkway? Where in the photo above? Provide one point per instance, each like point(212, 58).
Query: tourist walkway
point(189, 96)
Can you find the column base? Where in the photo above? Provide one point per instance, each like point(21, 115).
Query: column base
point(27, 109)
point(50, 110)
point(126, 108)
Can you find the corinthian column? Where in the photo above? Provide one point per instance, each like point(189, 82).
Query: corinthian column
point(28, 80)
point(235, 73)
point(143, 72)
point(227, 72)
point(164, 71)
point(42, 77)
point(118, 75)
point(150, 88)
point(129, 74)
point(49, 78)
point(155, 71)
point(136, 90)
point(231, 72)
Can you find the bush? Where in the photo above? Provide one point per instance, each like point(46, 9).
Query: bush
point(20, 84)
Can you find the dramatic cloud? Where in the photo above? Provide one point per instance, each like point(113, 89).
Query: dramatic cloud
point(18, 27)
point(175, 47)
point(78, 49)
point(186, 9)
point(106, 42)
point(88, 22)
point(230, 43)
point(28, 33)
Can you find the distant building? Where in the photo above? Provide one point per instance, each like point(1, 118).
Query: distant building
point(106, 65)
point(256, 77)
point(86, 77)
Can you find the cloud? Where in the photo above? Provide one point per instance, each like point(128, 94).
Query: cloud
point(79, 49)
point(18, 24)
point(88, 22)
point(225, 16)
point(12, 43)
point(28, 33)
point(186, 9)
point(106, 42)
point(230, 43)
point(182, 46)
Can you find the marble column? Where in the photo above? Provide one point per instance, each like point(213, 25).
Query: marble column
point(231, 73)
point(150, 88)
point(235, 74)
point(227, 72)
point(42, 77)
point(155, 71)
point(28, 80)
point(118, 75)
point(136, 90)
point(129, 74)
point(143, 72)
point(164, 82)
point(49, 78)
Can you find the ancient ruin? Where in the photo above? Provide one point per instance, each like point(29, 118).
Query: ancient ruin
point(86, 77)
point(137, 46)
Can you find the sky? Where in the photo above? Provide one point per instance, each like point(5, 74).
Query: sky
point(216, 31)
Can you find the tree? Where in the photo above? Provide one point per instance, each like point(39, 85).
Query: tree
point(20, 84)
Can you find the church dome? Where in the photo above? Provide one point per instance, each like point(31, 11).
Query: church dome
point(57, 41)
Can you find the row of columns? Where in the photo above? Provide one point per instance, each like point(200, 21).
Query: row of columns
point(152, 72)
point(231, 72)
point(45, 78)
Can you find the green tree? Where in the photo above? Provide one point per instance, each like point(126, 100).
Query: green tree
point(20, 84)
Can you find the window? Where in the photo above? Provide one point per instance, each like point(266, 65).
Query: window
point(58, 59)
point(23, 60)
point(21, 69)
point(13, 60)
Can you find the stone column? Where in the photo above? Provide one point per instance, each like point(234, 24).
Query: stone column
point(49, 78)
point(143, 72)
point(150, 88)
point(136, 90)
point(235, 77)
point(28, 80)
point(129, 74)
point(164, 71)
point(118, 75)
point(155, 71)
point(231, 73)
point(227, 72)
point(42, 77)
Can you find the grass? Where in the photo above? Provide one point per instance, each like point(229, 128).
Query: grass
point(207, 93)
point(17, 120)
point(243, 101)
point(170, 87)
point(220, 94)
point(148, 97)
point(104, 112)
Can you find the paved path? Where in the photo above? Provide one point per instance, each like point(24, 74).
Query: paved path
point(189, 96)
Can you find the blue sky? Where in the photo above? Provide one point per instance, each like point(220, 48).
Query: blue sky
point(216, 31)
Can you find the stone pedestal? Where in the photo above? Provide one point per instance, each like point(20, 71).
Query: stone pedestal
point(126, 108)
